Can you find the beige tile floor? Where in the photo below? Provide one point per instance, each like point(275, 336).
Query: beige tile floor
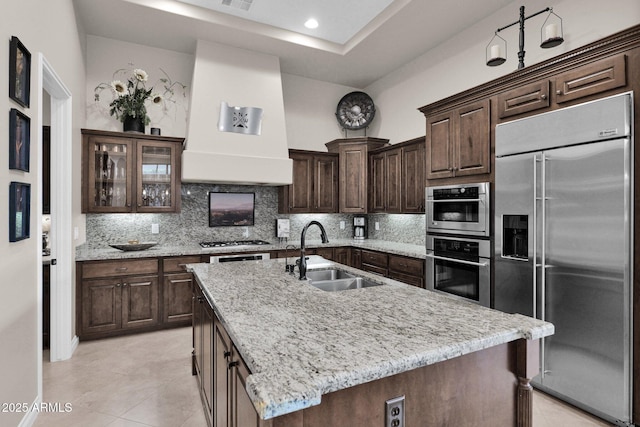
point(145, 380)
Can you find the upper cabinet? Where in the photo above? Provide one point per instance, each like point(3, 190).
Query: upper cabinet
point(396, 178)
point(354, 164)
point(315, 184)
point(127, 173)
point(592, 79)
point(458, 141)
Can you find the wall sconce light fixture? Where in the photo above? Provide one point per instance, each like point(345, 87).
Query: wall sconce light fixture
point(551, 35)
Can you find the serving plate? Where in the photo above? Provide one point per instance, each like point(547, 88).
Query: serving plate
point(133, 246)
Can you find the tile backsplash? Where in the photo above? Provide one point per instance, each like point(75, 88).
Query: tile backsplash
point(191, 225)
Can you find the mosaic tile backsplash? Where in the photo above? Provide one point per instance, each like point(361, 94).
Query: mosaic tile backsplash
point(191, 225)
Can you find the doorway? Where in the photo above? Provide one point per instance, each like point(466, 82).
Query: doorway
point(62, 341)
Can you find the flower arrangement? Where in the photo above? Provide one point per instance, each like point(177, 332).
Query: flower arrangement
point(129, 98)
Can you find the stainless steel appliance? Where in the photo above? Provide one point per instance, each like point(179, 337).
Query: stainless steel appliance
point(460, 266)
point(459, 209)
point(359, 227)
point(563, 246)
point(238, 257)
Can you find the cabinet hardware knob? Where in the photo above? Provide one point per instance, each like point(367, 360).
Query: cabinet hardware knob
point(122, 268)
point(117, 285)
point(227, 354)
point(558, 92)
point(124, 285)
point(543, 96)
point(233, 364)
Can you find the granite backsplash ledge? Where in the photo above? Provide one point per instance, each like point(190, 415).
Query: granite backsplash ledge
point(191, 225)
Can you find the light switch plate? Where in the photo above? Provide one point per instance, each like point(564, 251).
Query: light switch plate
point(377, 225)
point(155, 228)
point(342, 225)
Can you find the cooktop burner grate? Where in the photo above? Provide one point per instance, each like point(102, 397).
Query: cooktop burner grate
point(222, 244)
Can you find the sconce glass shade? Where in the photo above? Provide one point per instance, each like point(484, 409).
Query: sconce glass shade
point(496, 51)
point(551, 34)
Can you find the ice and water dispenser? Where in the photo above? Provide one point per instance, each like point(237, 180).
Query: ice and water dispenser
point(515, 232)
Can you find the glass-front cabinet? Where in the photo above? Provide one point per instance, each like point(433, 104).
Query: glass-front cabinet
point(125, 173)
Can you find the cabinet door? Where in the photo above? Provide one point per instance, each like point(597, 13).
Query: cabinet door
point(108, 174)
point(300, 191)
point(393, 174)
point(139, 301)
point(353, 182)
point(531, 97)
point(243, 414)
point(208, 393)
point(591, 79)
point(101, 300)
point(325, 184)
point(377, 191)
point(342, 255)
point(473, 140)
point(440, 140)
point(221, 375)
point(413, 182)
point(158, 175)
point(356, 258)
point(177, 297)
point(198, 319)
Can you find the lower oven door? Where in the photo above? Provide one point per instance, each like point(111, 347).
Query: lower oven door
point(465, 275)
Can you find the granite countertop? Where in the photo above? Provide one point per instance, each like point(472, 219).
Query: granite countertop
point(301, 342)
point(86, 252)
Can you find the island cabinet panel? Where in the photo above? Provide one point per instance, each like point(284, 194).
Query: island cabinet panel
point(478, 389)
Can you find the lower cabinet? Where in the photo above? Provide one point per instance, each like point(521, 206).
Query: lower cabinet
point(401, 268)
point(177, 289)
point(221, 371)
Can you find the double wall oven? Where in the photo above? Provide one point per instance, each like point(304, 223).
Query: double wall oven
point(458, 241)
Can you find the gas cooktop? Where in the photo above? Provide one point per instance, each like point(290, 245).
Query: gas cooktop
point(222, 244)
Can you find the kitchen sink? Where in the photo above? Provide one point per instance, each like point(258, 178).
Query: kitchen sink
point(330, 274)
point(333, 280)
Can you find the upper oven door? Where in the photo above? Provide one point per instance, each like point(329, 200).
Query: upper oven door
point(459, 209)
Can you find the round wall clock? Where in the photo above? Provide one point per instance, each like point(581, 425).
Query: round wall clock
point(355, 111)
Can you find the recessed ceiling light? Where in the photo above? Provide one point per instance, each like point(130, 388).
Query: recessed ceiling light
point(311, 23)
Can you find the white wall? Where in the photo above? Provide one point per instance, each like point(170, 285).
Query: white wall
point(105, 56)
point(310, 107)
point(50, 28)
point(459, 64)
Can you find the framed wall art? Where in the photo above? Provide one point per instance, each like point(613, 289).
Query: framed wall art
point(19, 211)
point(19, 140)
point(19, 72)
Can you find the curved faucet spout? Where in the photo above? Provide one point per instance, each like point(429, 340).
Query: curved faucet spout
point(302, 262)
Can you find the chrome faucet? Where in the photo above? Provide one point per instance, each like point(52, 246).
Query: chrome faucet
point(302, 262)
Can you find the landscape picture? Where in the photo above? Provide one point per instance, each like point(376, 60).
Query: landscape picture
point(231, 209)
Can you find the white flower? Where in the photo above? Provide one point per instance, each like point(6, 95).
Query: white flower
point(140, 75)
point(118, 87)
point(156, 98)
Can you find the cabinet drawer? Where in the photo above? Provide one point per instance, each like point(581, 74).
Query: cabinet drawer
point(600, 76)
point(408, 279)
point(374, 269)
point(176, 264)
point(524, 99)
point(404, 265)
point(374, 258)
point(119, 268)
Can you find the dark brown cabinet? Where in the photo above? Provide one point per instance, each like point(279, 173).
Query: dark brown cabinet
point(407, 270)
point(592, 79)
point(116, 296)
point(122, 173)
point(385, 173)
point(459, 141)
point(342, 255)
point(315, 184)
point(203, 351)
point(354, 164)
point(177, 290)
point(413, 181)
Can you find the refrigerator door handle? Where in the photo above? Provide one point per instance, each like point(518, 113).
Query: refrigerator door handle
point(534, 227)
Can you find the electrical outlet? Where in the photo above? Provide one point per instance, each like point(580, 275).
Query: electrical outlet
point(155, 228)
point(342, 225)
point(245, 233)
point(394, 410)
point(377, 225)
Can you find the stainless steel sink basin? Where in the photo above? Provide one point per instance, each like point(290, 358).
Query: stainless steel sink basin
point(333, 280)
point(331, 274)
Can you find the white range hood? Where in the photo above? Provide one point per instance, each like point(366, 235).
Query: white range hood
point(240, 78)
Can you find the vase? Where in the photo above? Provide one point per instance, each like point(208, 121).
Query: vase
point(133, 124)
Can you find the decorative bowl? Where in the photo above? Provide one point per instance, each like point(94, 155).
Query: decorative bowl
point(133, 246)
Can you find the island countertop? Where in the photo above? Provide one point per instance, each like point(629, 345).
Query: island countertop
point(300, 342)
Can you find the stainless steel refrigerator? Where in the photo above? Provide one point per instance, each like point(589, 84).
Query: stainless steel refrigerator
point(563, 246)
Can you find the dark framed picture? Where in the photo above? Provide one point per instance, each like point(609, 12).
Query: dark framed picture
point(231, 209)
point(19, 140)
point(19, 72)
point(19, 211)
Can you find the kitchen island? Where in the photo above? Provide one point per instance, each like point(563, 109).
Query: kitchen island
point(317, 358)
